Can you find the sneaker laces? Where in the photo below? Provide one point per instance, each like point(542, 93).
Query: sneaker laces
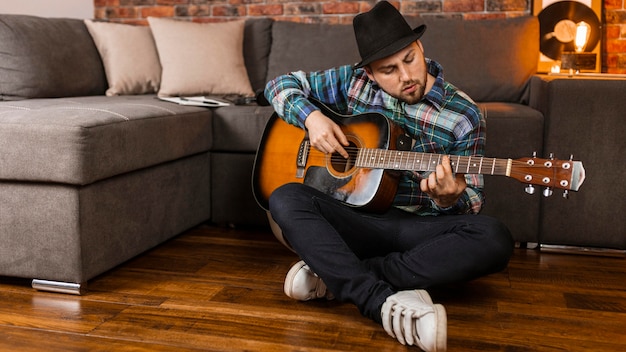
point(401, 314)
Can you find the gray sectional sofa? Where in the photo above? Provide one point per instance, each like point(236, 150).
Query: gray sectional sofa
point(88, 181)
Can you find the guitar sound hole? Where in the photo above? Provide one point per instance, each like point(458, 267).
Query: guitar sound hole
point(340, 166)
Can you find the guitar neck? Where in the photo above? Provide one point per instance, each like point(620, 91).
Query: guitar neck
point(285, 155)
point(415, 161)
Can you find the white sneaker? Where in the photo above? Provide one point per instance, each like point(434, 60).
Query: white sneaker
point(413, 319)
point(303, 284)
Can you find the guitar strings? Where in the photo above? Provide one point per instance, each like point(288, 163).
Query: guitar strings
point(519, 169)
point(335, 157)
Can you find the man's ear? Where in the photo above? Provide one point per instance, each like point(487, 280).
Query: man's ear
point(368, 71)
point(419, 44)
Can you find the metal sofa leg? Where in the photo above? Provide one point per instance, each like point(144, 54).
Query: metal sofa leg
point(58, 286)
point(605, 252)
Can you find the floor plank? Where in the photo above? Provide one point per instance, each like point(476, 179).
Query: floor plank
point(33, 340)
point(220, 289)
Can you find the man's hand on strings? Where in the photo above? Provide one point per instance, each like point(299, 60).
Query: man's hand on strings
point(442, 185)
point(325, 135)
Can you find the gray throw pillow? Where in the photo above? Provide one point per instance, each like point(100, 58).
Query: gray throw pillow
point(48, 58)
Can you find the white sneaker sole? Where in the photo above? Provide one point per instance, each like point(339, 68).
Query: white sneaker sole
point(441, 337)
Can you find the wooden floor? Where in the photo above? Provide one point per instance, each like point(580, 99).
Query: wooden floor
point(220, 289)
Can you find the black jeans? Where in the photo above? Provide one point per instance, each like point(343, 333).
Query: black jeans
point(364, 258)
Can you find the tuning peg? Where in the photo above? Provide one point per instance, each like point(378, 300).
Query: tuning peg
point(566, 194)
point(530, 189)
point(547, 192)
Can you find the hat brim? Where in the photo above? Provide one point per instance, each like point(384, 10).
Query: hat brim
point(393, 47)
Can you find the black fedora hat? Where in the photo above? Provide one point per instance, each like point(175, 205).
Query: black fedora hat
point(381, 32)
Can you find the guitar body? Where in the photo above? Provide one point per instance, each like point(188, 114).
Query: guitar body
point(285, 156)
point(378, 150)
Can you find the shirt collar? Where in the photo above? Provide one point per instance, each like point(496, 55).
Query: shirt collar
point(437, 93)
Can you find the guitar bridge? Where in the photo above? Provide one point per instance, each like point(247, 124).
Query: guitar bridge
point(301, 159)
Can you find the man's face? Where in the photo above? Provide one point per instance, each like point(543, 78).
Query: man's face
point(402, 75)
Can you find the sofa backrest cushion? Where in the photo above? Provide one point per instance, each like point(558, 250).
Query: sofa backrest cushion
point(491, 60)
point(257, 40)
point(310, 47)
point(48, 58)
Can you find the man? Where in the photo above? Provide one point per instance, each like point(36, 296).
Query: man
point(431, 235)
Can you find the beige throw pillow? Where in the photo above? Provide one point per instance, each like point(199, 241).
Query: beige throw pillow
point(129, 55)
point(201, 58)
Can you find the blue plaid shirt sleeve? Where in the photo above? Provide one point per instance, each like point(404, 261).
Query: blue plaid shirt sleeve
point(289, 93)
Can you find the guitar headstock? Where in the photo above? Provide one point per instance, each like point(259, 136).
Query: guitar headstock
point(551, 173)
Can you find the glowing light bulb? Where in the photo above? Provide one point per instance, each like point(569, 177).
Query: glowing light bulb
point(582, 35)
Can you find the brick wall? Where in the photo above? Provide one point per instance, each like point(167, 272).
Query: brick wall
point(614, 38)
point(136, 11)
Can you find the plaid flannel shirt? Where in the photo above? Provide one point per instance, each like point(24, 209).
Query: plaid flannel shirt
point(445, 121)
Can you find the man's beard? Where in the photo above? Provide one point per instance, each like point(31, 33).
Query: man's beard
point(415, 96)
point(418, 94)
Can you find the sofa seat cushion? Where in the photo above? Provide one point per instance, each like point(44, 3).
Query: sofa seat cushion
point(239, 128)
point(82, 140)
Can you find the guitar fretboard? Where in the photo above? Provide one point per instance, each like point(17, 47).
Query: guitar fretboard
point(414, 161)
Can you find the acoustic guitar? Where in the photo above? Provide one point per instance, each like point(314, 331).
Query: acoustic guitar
point(377, 150)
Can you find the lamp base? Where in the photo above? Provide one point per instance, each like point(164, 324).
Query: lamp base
point(578, 61)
